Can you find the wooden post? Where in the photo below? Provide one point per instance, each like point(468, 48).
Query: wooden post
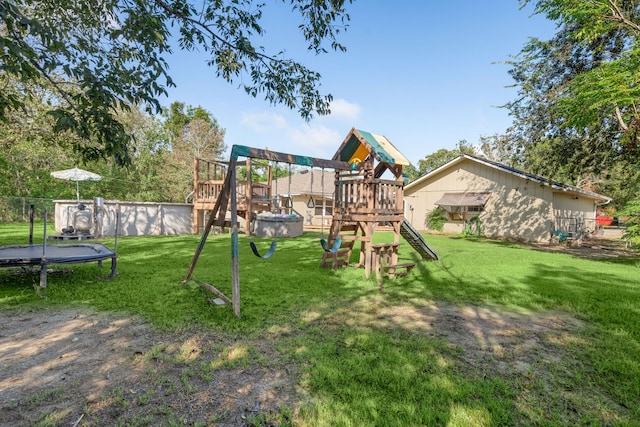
point(235, 274)
point(248, 196)
point(32, 210)
point(221, 204)
point(196, 211)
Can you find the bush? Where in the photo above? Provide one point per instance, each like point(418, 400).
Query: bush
point(436, 218)
point(473, 227)
point(632, 221)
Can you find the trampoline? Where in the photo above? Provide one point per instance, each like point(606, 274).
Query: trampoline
point(44, 255)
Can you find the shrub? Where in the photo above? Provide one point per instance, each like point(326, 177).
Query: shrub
point(632, 222)
point(436, 218)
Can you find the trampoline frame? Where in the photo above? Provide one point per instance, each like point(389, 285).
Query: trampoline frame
point(45, 255)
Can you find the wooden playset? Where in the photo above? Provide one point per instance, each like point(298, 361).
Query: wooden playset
point(363, 201)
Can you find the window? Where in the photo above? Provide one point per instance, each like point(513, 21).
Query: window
point(328, 209)
point(462, 205)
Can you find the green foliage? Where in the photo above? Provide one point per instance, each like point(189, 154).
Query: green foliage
point(473, 227)
point(436, 219)
point(96, 58)
point(159, 171)
point(442, 156)
point(411, 172)
point(575, 118)
point(632, 221)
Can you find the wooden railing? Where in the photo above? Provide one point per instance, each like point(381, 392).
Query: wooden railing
point(357, 195)
point(208, 190)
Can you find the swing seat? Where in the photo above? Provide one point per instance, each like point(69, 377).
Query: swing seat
point(270, 252)
point(336, 245)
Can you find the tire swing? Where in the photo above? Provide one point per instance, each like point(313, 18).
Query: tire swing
point(323, 241)
point(254, 248)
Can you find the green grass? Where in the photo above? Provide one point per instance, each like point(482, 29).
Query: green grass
point(358, 367)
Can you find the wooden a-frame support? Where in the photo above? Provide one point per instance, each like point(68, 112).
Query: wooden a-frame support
point(229, 195)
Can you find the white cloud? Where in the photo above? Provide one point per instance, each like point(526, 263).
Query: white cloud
point(318, 141)
point(264, 122)
point(342, 109)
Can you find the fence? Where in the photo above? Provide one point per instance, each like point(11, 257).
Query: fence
point(130, 218)
point(16, 209)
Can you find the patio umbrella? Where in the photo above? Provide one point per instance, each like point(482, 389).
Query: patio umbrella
point(76, 175)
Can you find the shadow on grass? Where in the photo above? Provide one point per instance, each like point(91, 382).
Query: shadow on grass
point(359, 370)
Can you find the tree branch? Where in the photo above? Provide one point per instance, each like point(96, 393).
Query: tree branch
point(618, 16)
point(620, 119)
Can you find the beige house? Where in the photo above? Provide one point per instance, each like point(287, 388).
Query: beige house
point(506, 202)
point(312, 194)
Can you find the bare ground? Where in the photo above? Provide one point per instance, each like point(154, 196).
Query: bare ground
point(607, 245)
point(61, 367)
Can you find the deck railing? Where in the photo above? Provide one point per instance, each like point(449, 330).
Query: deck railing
point(357, 195)
point(210, 190)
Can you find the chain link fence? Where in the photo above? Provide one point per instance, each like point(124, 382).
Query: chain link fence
point(18, 209)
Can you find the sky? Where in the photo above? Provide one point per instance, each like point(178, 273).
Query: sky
point(425, 74)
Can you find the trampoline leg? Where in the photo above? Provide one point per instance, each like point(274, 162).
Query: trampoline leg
point(113, 268)
point(43, 279)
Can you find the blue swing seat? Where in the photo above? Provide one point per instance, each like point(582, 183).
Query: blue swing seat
point(336, 245)
point(270, 252)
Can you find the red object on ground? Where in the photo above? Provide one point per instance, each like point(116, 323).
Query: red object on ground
point(604, 220)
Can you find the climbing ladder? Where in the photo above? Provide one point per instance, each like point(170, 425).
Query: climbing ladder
point(348, 232)
point(384, 256)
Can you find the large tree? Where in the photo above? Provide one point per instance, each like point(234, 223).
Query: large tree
point(607, 86)
point(442, 156)
point(99, 56)
point(562, 128)
point(193, 132)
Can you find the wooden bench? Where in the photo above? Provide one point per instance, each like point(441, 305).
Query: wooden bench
point(392, 270)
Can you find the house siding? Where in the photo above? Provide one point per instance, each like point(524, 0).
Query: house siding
point(518, 208)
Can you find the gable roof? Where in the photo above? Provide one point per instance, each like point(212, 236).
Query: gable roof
point(360, 143)
point(309, 182)
point(556, 185)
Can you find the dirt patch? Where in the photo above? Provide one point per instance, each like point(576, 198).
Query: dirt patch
point(607, 246)
point(492, 339)
point(78, 367)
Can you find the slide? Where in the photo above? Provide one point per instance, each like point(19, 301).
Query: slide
point(416, 241)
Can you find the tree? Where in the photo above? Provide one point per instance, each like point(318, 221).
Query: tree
point(442, 156)
point(102, 56)
point(608, 86)
point(193, 132)
point(499, 148)
point(411, 172)
point(557, 132)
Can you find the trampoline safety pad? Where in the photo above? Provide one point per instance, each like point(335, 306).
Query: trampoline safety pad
point(45, 255)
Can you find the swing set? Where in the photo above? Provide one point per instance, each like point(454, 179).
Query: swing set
point(227, 200)
point(311, 204)
point(274, 202)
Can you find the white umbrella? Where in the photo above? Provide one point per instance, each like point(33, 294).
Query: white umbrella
point(76, 175)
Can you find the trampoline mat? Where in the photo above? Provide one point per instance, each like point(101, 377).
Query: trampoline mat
point(21, 255)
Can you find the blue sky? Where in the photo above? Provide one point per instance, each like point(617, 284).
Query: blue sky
point(426, 74)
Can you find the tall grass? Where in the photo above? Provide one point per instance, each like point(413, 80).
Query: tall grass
point(359, 368)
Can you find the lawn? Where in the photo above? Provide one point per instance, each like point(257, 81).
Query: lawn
point(494, 333)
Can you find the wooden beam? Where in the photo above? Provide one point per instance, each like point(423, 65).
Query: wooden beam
point(235, 271)
point(214, 212)
point(294, 159)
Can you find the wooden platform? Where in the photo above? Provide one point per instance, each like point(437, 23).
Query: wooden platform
point(70, 237)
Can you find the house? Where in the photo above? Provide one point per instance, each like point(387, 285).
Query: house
point(506, 202)
point(311, 191)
